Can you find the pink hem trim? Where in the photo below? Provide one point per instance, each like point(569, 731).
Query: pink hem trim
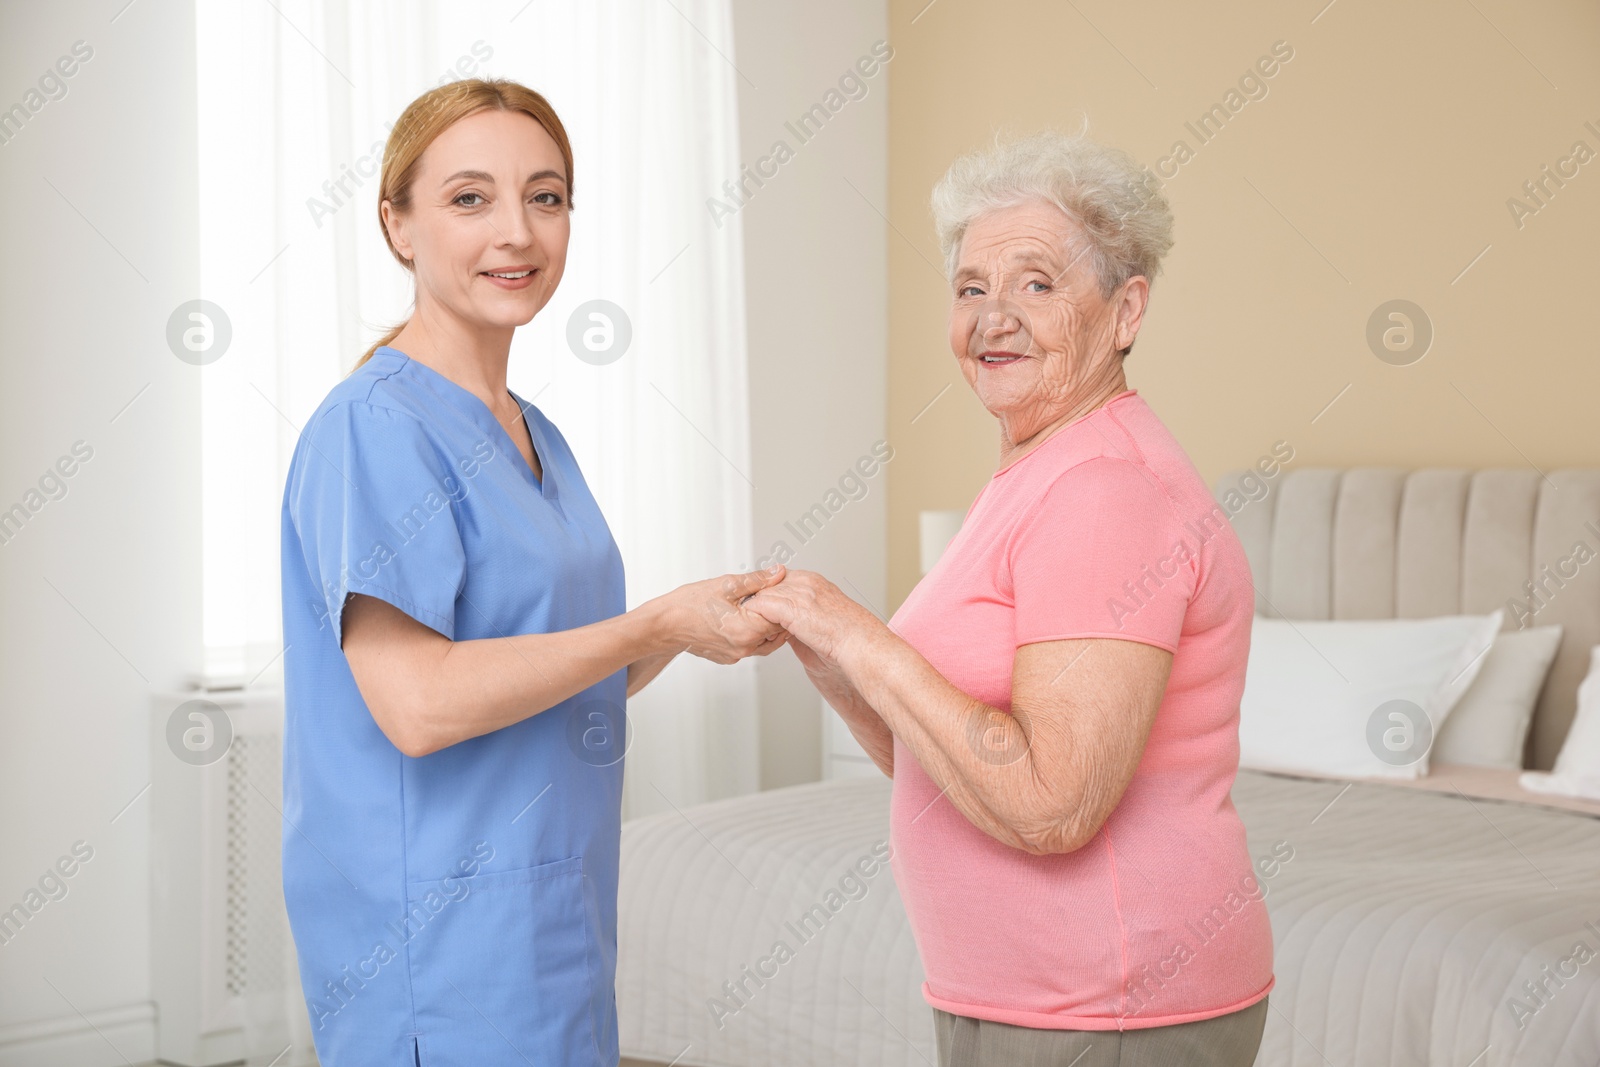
point(1114, 635)
point(1042, 1021)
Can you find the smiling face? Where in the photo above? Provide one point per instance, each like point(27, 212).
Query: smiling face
point(1035, 339)
point(490, 197)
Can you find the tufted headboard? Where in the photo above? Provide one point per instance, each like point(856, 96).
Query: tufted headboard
point(1388, 542)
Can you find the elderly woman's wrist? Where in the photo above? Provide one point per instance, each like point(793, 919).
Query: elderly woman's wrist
point(859, 644)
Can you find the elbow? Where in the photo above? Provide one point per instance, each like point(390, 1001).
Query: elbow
point(408, 737)
point(1054, 836)
point(1047, 844)
point(414, 746)
point(414, 717)
point(398, 674)
point(406, 728)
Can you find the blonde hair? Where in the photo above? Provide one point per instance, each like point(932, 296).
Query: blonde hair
point(423, 121)
point(1116, 204)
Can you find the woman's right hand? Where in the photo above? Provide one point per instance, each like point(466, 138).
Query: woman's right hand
point(709, 618)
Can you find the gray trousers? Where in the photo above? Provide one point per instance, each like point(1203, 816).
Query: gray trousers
point(1226, 1041)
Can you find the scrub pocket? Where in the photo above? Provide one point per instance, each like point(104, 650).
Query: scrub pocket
point(508, 961)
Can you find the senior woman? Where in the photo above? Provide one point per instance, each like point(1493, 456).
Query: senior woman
point(1058, 700)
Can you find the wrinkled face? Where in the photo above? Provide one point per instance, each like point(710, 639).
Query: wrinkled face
point(1027, 322)
point(490, 198)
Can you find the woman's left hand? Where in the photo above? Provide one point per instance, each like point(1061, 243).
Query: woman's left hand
point(814, 610)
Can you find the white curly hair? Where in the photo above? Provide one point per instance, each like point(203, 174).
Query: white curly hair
point(1116, 204)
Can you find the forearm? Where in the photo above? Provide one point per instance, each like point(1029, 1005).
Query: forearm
point(641, 672)
point(865, 724)
point(470, 688)
point(977, 754)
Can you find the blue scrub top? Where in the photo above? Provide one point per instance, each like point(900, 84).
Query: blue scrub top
point(460, 907)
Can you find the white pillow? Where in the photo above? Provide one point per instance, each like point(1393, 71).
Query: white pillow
point(1356, 698)
point(1577, 769)
point(1580, 752)
point(1489, 727)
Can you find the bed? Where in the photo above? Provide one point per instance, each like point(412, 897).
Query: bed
point(1410, 921)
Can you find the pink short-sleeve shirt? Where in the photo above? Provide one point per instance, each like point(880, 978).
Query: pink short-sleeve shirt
point(1105, 530)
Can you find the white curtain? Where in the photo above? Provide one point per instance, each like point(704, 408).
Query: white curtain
point(296, 100)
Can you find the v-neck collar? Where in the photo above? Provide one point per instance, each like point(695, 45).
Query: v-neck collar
point(471, 405)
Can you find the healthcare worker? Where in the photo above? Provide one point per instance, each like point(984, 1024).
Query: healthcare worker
point(458, 654)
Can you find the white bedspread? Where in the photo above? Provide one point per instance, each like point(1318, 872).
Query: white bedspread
point(1405, 926)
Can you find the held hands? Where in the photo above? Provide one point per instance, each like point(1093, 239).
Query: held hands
point(709, 618)
point(818, 617)
point(754, 614)
point(820, 621)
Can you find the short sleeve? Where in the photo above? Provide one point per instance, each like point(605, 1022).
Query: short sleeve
point(372, 506)
point(1102, 554)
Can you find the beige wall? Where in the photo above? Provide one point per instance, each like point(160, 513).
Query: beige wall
point(1377, 166)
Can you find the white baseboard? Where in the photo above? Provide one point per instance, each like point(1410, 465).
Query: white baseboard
point(111, 1037)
